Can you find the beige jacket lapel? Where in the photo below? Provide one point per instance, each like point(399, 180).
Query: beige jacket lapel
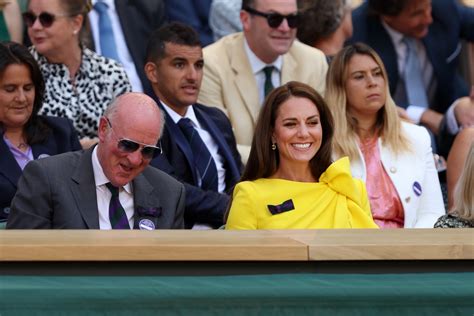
point(288, 70)
point(244, 78)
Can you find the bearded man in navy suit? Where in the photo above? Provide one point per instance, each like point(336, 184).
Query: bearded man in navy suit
point(174, 67)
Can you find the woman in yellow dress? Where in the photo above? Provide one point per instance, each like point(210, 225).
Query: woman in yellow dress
point(290, 181)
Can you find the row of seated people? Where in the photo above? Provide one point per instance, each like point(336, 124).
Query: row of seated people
point(191, 177)
point(73, 86)
point(129, 22)
point(290, 163)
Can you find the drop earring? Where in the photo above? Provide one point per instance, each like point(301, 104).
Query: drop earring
point(274, 146)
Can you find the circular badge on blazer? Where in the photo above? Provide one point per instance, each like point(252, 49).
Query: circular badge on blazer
point(417, 188)
point(6, 210)
point(146, 224)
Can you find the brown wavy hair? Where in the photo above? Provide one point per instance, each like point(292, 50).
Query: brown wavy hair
point(263, 162)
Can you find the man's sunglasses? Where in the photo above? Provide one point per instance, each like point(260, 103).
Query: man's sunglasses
point(274, 19)
point(128, 146)
point(46, 19)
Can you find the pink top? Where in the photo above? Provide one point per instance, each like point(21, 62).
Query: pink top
point(387, 210)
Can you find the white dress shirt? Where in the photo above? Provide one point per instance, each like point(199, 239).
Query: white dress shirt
point(206, 138)
point(122, 49)
point(104, 195)
point(257, 70)
point(415, 112)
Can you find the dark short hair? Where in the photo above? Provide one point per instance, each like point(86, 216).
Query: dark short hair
point(263, 161)
point(387, 7)
point(176, 33)
point(319, 19)
point(12, 53)
point(248, 4)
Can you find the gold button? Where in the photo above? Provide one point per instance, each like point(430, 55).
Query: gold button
point(393, 169)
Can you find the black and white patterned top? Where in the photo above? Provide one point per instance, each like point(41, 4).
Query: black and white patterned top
point(98, 81)
point(453, 221)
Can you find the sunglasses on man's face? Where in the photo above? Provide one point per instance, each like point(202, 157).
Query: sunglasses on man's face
point(46, 19)
point(274, 19)
point(129, 146)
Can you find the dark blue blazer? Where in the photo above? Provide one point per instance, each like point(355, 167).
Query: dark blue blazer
point(451, 23)
point(194, 13)
point(201, 206)
point(62, 138)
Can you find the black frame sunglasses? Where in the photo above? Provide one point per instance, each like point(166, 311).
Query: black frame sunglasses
point(46, 19)
point(129, 146)
point(274, 19)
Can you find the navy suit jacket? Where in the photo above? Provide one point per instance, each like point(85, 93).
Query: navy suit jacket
point(138, 18)
point(201, 206)
point(62, 138)
point(451, 23)
point(194, 13)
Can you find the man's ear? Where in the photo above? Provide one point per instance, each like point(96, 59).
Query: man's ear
point(150, 71)
point(102, 130)
point(245, 20)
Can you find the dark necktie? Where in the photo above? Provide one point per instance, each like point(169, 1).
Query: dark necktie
point(414, 86)
point(202, 158)
point(108, 47)
point(268, 87)
point(117, 215)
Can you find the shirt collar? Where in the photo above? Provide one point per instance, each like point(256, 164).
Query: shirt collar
point(109, 3)
point(99, 176)
point(190, 114)
point(256, 64)
point(396, 36)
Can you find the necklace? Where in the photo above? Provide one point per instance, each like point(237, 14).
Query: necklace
point(22, 146)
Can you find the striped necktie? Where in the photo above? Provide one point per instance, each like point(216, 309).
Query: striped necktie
point(118, 217)
point(203, 161)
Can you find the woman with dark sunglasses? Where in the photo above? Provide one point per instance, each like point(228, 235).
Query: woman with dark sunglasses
point(25, 135)
point(79, 83)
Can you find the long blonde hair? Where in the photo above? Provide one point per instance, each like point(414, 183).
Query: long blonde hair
point(345, 134)
point(463, 196)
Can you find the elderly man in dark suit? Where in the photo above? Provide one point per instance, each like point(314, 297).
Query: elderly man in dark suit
point(199, 147)
point(432, 30)
point(109, 186)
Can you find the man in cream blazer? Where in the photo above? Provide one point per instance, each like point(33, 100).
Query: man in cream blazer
point(234, 79)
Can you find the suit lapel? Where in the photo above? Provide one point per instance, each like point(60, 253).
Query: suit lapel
point(244, 78)
point(381, 42)
point(45, 149)
point(9, 167)
point(84, 191)
point(232, 171)
point(178, 137)
point(123, 7)
point(288, 70)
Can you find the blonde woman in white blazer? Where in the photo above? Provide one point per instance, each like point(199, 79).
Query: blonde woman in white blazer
point(393, 157)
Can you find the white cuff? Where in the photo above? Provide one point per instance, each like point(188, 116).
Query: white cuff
point(451, 122)
point(415, 112)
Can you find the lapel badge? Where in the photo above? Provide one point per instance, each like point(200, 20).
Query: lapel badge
point(146, 224)
point(417, 188)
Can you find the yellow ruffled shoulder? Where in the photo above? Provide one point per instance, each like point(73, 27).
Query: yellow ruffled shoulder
point(339, 178)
